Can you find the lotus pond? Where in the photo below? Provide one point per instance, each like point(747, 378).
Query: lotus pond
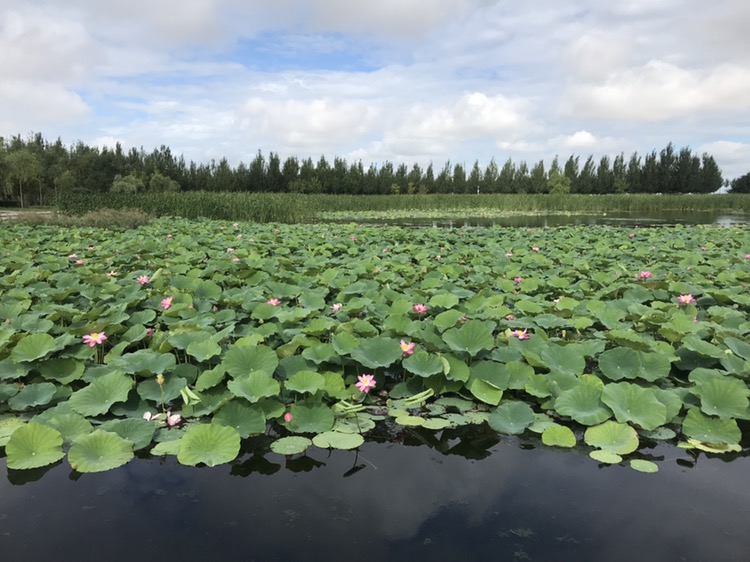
point(195, 342)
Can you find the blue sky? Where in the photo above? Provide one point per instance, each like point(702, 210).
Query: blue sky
point(395, 80)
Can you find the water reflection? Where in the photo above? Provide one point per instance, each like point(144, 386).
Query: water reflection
point(451, 496)
point(623, 219)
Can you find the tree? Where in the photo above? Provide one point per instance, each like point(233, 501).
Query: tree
point(538, 178)
point(459, 179)
point(507, 177)
point(475, 178)
point(558, 183)
point(710, 175)
point(160, 183)
point(23, 167)
point(130, 184)
point(741, 184)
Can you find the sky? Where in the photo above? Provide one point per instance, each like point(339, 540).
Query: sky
point(412, 81)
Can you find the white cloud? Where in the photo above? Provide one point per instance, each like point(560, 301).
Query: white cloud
point(732, 157)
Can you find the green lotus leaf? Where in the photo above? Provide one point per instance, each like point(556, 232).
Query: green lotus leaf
point(166, 448)
point(378, 352)
point(620, 363)
point(556, 435)
point(336, 440)
point(541, 422)
point(151, 390)
point(423, 364)
point(410, 421)
point(143, 361)
point(458, 370)
point(357, 423)
point(134, 334)
point(613, 437)
point(98, 397)
point(7, 426)
point(633, 403)
point(254, 386)
point(311, 417)
point(644, 466)
point(32, 347)
point(436, 424)
point(344, 343)
point(703, 348)
point(710, 429)
point(240, 360)
point(264, 311)
point(319, 326)
point(511, 417)
point(321, 353)
point(444, 300)
point(739, 347)
point(305, 382)
point(725, 397)
point(136, 430)
point(529, 307)
point(203, 350)
point(210, 444)
point(628, 338)
point(484, 391)
point(493, 373)
point(671, 399)
point(293, 445)
point(33, 445)
point(208, 290)
point(583, 402)
point(661, 434)
point(605, 456)
point(62, 370)
point(247, 419)
point(7, 391)
point(561, 359)
point(447, 319)
point(717, 448)
point(473, 337)
point(99, 451)
point(539, 385)
point(71, 425)
point(35, 394)
point(210, 378)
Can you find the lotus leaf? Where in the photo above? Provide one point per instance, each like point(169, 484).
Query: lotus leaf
point(136, 430)
point(62, 370)
point(605, 456)
point(32, 446)
point(203, 350)
point(35, 394)
point(291, 445)
point(583, 402)
point(471, 338)
point(556, 435)
point(151, 390)
point(32, 347)
point(644, 466)
point(511, 417)
point(98, 397)
point(725, 397)
point(309, 416)
point(710, 429)
point(254, 386)
point(99, 451)
point(484, 391)
point(210, 444)
point(144, 361)
point(632, 403)
point(70, 425)
point(247, 419)
point(562, 359)
point(375, 353)
point(337, 440)
point(240, 360)
point(305, 382)
point(613, 437)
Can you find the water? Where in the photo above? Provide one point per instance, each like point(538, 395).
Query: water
point(624, 219)
point(440, 497)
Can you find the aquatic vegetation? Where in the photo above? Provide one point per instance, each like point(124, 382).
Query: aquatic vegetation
point(579, 344)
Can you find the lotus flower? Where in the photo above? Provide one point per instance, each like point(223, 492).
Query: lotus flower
point(274, 302)
point(420, 308)
point(365, 383)
point(173, 419)
point(336, 307)
point(166, 303)
point(645, 275)
point(518, 279)
point(94, 338)
point(288, 417)
point(407, 348)
point(520, 334)
point(142, 279)
point(686, 299)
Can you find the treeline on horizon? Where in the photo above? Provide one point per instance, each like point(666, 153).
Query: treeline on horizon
point(34, 171)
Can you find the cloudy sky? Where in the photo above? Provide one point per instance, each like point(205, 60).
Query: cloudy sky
point(393, 80)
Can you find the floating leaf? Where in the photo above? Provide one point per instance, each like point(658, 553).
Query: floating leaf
point(471, 338)
point(210, 444)
point(311, 417)
point(254, 386)
point(166, 448)
point(337, 440)
point(32, 347)
point(293, 445)
point(644, 466)
point(203, 350)
point(71, 425)
point(632, 403)
point(423, 364)
point(725, 397)
point(710, 429)
point(557, 435)
point(62, 371)
point(607, 457)
point(583, 402)
point(378, 352)
point(37, 394)
point(305, 382)
point(161, 394)
point(613, 437)
point(98, 397)
point(32, 446)
point(511, 417)
point(247, 419)
point(99, 451)
point(563, 359)
point(7, 426)
point(242, 359)
point(136, 430)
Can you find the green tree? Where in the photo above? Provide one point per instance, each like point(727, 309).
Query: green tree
point(538, 178)
point(130, 184)
point(23, 167)
point(507, 177)
point(741, 184)
point(710, 175)
point(558, 183)
point(161, 183)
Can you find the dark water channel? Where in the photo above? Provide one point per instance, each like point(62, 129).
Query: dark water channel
point(624, 219)
point(467, 497)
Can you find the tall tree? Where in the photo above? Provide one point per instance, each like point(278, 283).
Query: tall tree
point(23, 167)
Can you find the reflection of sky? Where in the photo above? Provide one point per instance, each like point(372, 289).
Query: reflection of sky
point(407, 503)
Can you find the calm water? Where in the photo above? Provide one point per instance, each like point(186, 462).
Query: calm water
point(624, 219)
point(457, 497)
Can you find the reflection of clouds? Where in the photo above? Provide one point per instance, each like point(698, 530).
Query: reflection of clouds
point(417, 503)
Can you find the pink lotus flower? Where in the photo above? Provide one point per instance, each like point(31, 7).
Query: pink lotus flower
point(510, 317)
point(148, 416)
point(747, 256)
point(235, 259)
point(645, 275)
point(73, 256)
point(686, 299)
point(631, 235)
point(142, 279)
point(520, 334)
point(407, 348)
point(518, 279)
point(173, 419)
point(534, 249)
point(79, 262)
point(365, 383)
point(508, 254)
point(336, 307)
point(94, 338)
point(288, 417)
point(239, 236)
point(274, 302)
point(230, 250)
point(420, 308)
point(149, 332)
point(169, 236)
point(166, 303)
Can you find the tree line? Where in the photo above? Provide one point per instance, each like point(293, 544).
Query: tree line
point(34, 171)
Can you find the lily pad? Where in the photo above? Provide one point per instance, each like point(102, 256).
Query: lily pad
point(242, 359)
point(305, 382)
point(725, 397)
point(557, 435)
point(471, 338)
point(210, 444)
point(254, 386)
point(311, 417)
point(632, 403)
point(642, 465)
point(511, 417)
point(98, 397)
point(37, 394)
point(583, 402)
point(136, 430)
point(337, 440)
point(613, 437)
point(32, 347)
point(99, 451)
point(710, 429)
point(606, 457)
point(378, 352)
point(293, 445)
point(423, 364)
point(32, 446)
point(247, 419)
